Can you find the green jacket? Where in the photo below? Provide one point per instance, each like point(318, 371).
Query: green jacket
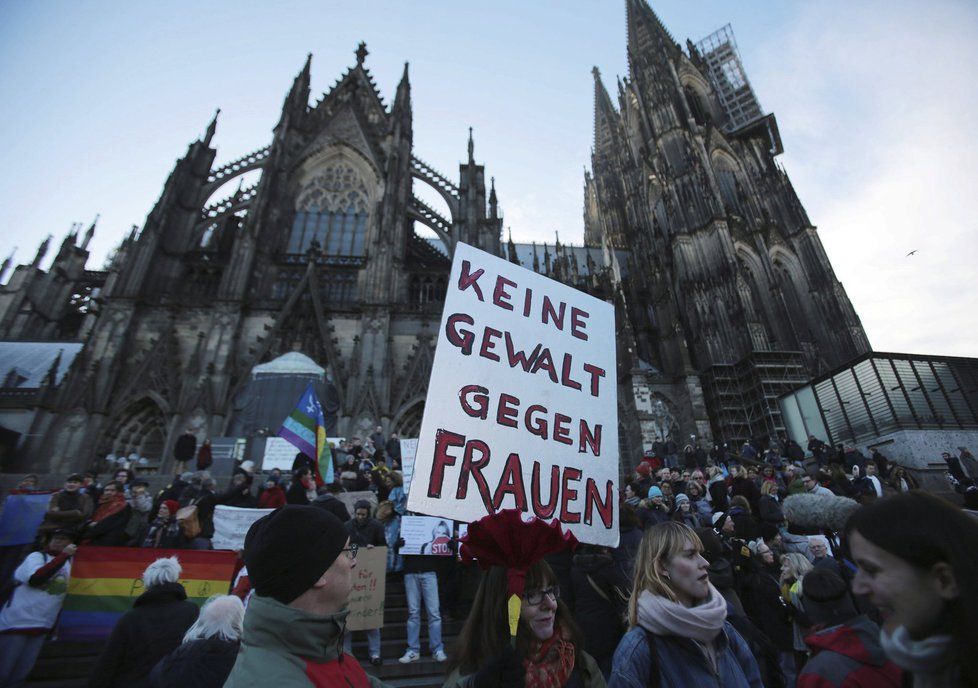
point(283, 647)
point(590, 674)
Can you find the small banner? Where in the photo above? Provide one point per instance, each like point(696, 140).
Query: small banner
point(22, 514)
point(231, 524)
point(409, 450)
point(427, 535)
point(105, 581)
point(367, 597)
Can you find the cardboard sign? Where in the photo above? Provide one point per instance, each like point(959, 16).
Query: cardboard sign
point(522, 408)
point(409, 449)
point(369, 586)
point(231, 524)
point(427, 535)
point(279, 453)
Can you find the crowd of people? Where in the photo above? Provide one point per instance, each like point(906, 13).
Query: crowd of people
point(712, 583)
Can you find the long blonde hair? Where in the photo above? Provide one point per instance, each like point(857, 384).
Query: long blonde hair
point(660, 543)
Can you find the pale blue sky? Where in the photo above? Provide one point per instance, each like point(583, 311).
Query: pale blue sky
point(875, 102)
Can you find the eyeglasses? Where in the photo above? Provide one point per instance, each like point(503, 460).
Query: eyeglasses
point(351, 550)
point(536, 596)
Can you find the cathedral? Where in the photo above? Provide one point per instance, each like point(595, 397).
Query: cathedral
point(318, 245)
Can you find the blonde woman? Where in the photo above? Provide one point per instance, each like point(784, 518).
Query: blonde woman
point(679, 634)
point(794, 566)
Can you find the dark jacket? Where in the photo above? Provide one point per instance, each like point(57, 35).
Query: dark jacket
point(296, 494)
point(143, 636)
point(370, 532)
point(600, 599)
point(110, 531)
point(681, 664)
point(197, 664)
point(332, 504)
point(769, 510)
point(761, 595)
point(185, 447)
point(624, 554)
point(849, 656)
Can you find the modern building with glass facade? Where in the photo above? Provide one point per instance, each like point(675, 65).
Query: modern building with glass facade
point(911, 407)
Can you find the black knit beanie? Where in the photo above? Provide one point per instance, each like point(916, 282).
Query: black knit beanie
point(289, 549)
point(825, 597)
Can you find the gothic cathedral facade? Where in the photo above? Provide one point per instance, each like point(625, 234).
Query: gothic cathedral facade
point(692, 230)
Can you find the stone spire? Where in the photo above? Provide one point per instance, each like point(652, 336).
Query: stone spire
point(605, 117)
point(89, 234)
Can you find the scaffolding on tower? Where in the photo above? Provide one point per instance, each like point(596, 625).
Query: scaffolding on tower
point(726, 69)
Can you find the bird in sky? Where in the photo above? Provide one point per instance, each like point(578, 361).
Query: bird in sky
point(911, 253)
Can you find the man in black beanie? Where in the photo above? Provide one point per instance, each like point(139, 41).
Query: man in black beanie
point(846, 645)
point(300, 563)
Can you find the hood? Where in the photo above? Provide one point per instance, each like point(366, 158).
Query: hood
point(591, 563)
point(857, 639)
point(161, 594)
point(271, 625)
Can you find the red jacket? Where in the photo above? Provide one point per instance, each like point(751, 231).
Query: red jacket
point(849, 656)
point(272, 498)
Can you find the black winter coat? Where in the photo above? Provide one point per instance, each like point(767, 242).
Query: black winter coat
point(599, 614)
point(198, 664)
point(143, 636)
point(769, 510)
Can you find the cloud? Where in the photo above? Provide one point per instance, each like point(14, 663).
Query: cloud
point(877, 112)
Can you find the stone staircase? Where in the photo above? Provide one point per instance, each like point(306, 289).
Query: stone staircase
point(68, 665)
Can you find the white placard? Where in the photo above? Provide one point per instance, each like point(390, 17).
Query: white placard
point(522, 407)
point(231, 524)
point(427, 535)
point(409, 449)
point(279, 453)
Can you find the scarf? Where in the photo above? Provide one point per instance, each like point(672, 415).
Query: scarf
point(551, 664)
point(931, 660)
point(109, 506)
point(701, 624)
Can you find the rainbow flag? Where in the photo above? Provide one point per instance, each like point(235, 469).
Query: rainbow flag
point(105, 581)
point(305, 429)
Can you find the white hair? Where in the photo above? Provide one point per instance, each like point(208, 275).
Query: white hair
point(816, 539)
point(220, 617)
point(162, 571)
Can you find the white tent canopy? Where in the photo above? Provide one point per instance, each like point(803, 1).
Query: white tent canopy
point(292, 363)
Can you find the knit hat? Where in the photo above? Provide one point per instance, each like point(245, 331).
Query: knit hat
point(654, 491)
point(719, 518)
point(643, 469)
point(75, 478)
point(825, 597)
point(680, 498)
point(172, 505)
point(289, 549)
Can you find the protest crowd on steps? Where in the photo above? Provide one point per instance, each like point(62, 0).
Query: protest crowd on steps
point(763, 565)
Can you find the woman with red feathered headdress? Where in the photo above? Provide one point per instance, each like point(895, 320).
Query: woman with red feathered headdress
point(549, 649)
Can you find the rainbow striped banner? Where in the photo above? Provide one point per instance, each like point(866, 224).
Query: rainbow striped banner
point(105, 581)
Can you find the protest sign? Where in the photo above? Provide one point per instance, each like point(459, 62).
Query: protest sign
point(427, 535)
point(350, 499)
point(522, 408)
point(105, 581)
point(409, 449)
point(22, 514)
point(367, 597)
point(279, 453)
point(231, 524)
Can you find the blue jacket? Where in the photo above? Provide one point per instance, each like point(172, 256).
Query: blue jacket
point(682, 663)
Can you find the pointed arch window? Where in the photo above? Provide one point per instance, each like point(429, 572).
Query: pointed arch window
point(332, 209)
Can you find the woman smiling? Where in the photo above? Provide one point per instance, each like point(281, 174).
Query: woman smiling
point(918, 564)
